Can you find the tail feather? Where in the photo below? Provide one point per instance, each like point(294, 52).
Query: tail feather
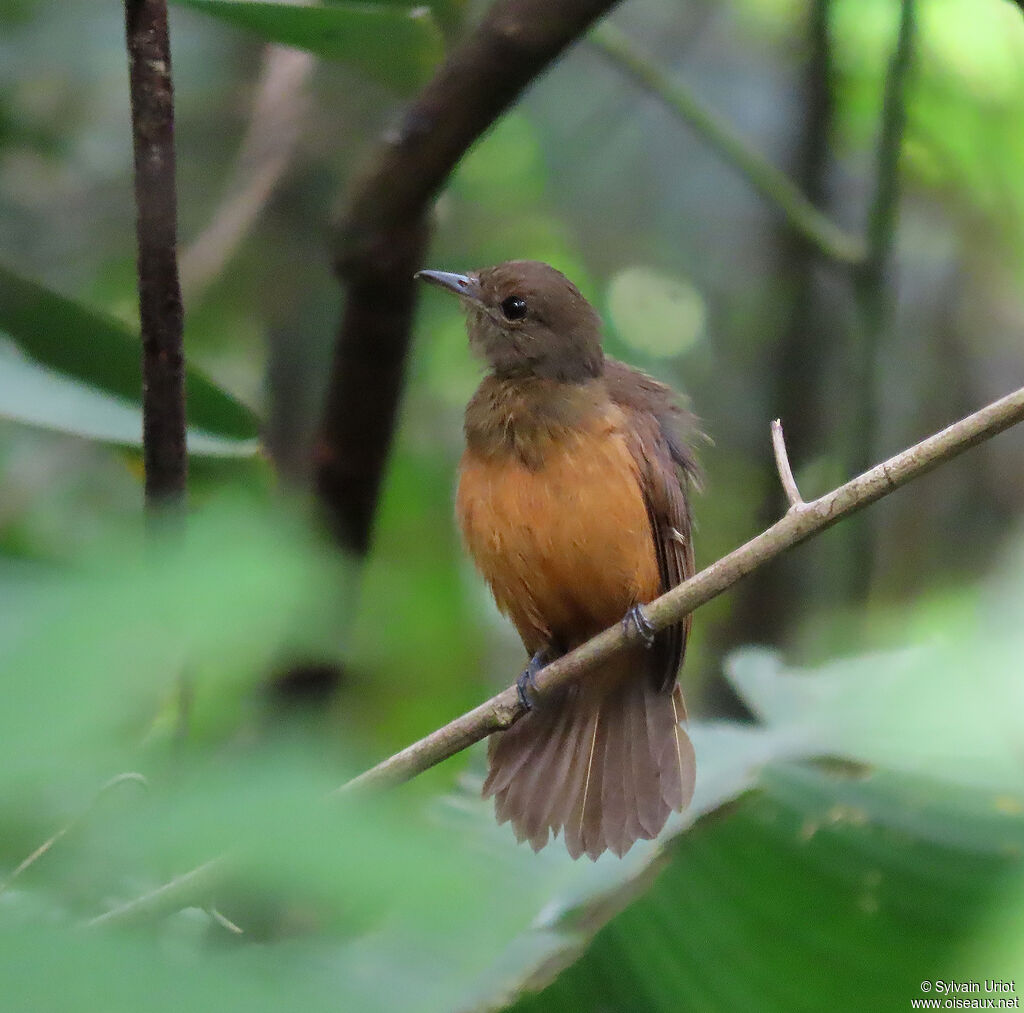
point(646, 783)
point(682, 757)
point(605, 768)
point(564, 774)
point(614, 785)
point(585, 821)
point(575, 785)
point(537, 781)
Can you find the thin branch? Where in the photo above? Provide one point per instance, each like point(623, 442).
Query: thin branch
point(873, 292)
point(782, 464)
point(43, 848)
point(224, 922)
point(275, 125)
point(505, 709)
point(800, 523)
point(885, 204)
point(768, 604)
point(775, 186)
point(383, 234)
point(160, 309)
point(167, 897)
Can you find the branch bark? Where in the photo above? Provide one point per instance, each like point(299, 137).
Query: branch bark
point(383, 234)
point(803, 521)
point(160, 308)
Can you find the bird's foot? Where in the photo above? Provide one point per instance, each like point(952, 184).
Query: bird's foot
point(528, 678)
point(638, 619)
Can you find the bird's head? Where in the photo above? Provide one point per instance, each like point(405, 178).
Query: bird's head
point(527, 319)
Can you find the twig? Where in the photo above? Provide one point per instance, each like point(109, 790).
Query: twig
point(167, 897)
point(773, 185)
point(765, 608)
point(275, 125)
point(43, 848)
point(160, 309)
point(800, 523)
point(505, 709)
point(782, 464)
point(383, 234)
point(224, 922)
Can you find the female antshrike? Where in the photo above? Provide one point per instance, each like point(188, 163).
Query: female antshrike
point(573, 502)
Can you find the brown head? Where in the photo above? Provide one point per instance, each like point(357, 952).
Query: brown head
point(527, 319)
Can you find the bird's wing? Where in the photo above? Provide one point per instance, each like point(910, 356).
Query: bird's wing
point(667, 468)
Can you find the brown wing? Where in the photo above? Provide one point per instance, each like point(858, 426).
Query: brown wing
point(667, 469)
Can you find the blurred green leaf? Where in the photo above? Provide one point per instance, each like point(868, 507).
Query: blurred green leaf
point(97, 651)
point(814, 886)
point(36, 396)
point(100, 351)
point(795, 879)
point(398, 47)
point(800, 890)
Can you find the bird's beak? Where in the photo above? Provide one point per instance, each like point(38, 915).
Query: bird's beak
point(463, 285)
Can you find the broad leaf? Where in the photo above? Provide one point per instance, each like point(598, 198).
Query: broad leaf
point(795, 880)
point(103, 353)
point(37, 396)
point(815, 886)
point(398, 47)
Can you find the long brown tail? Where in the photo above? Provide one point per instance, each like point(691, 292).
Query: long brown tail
point(605, 767)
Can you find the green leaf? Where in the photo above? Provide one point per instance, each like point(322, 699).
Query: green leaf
point(34, 395)
point(815, 891)
point(93, 653)
point(796, 882)
point(101, 352)
point(798, 892)
point(398, 47)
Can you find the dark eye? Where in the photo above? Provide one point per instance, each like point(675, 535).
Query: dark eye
point(514, 308)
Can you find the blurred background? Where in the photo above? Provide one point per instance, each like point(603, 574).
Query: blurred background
point(700, 279)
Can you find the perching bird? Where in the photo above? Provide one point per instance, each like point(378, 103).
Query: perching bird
point(573, 503)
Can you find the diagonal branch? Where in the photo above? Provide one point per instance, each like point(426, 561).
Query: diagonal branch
point(383, 234)
point(803, 521)
point(775, 186)
point(160, 309)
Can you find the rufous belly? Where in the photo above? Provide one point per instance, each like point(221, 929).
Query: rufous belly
point(566, 547)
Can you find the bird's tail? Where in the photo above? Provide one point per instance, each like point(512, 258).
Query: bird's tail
point(604, 766)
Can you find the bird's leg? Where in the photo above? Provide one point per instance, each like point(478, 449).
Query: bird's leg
point(528, 678)
point(638, 618)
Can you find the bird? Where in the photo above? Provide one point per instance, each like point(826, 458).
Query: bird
point(573, 500)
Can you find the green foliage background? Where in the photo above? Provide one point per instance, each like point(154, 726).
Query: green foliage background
point(860, 835)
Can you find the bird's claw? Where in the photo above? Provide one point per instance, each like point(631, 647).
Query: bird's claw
point(638, 619)
point(528, 679)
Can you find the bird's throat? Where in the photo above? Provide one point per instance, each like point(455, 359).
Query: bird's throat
point(523, 417)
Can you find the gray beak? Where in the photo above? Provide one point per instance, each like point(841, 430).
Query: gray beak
point(461, 284)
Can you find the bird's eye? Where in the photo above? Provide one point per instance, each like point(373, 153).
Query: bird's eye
point(514, 308)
